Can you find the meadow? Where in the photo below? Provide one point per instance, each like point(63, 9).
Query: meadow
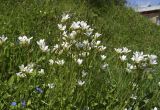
point(77, 55)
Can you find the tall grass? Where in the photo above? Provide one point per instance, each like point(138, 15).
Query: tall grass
point(96, 83)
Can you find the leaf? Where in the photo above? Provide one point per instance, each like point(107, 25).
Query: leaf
point(29, 102)
point(150, 76)
point(11, 80)
point(137, 108)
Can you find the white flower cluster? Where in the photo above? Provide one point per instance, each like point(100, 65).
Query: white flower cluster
point(77, 36)
point(24, 70)
point(77, 40)
point(138, 59)
point(122, 50)
point(58, 62)
point(43, 46)
point(24, 40)
point(2, 39)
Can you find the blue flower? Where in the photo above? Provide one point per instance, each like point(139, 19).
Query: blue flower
point(39, 90)
point(23, 103)
point(13, 103)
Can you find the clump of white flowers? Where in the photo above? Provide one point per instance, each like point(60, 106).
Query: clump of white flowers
point(77, 40)
point(75, 36)
point(24, 70)
point(58, 62)
point(139, 60)
point(24, 40)
point(122, 50)
point(2, 39)
point(43, 46)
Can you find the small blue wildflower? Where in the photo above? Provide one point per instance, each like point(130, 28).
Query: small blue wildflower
point(38, 89)
point(13, 103)
point(23, 103)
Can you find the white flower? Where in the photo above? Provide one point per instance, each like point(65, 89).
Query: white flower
point(41, 42)
point(126, 50)
point(60, 62)
point(61, 27)
point(65, 17)
point(65, 45)
point(55, 47)
point(72, 34)
point(65, 33)
point(43, 45)
point(79, 45)
point(24, 40)
point(118, 50)
point(133, 97)
point(101, 48)
point(79, 61)
point(89, 32)
point(122, 50)
point(84, 54)
point(51, 62)
point(81, 83)
point(103, 57)
point(104, 66)
point(98, 42)
point(134, 84)
point(75, 25)
point(97, 35)
point(51, 85)
point(155, 108)
point(84, 25)
point(158, 83)
point(123, 58)
point(2, 39)
point(21, 74)
point(130, 67)
point(41, 71)
point(84, 73)
point(85, 42)
point(26, 69)
point(137, 57)
point(152, 59)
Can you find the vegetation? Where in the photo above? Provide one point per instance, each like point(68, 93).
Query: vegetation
point(43, 67)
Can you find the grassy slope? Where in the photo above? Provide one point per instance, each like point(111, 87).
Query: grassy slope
point(123, 26)
point(120, 27)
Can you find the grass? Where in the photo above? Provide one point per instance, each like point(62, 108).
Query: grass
point(104, 89)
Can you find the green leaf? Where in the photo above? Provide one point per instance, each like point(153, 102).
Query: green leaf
point(11, 80)
point(29, 102)
point(150, 76)
point(137, 108)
